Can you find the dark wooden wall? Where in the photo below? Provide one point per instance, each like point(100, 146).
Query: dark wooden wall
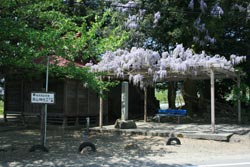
point(136, 103)
point(81, 101)
point(13, 96)
point(72, 99)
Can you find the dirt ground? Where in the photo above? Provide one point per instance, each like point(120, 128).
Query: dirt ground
point(113, 150)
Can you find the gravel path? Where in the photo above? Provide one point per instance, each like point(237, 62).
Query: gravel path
point(113, 150)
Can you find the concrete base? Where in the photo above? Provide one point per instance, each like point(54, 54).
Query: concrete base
point(224, 133)
point(209, 136)
point(129, 124)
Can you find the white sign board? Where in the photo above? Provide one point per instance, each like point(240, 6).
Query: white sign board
point(43, 98)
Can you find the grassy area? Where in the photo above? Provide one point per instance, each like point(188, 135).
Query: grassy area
point(162, 95)
point(1, 107)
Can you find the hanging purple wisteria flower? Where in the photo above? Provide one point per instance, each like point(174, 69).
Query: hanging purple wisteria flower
point(216, 11)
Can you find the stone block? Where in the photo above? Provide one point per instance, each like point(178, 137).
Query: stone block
point(129, 124)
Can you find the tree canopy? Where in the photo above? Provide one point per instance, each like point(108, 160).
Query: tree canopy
point(83, 30)
point(217, 27)
point(76, 32)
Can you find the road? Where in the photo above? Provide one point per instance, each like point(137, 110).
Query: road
point(245, 162)
point(239, 164)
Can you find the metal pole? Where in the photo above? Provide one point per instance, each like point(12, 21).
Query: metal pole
point(239, 102)
point(46, 106)
point(212, 101)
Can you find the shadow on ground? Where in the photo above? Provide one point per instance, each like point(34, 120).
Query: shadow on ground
point(112, 150)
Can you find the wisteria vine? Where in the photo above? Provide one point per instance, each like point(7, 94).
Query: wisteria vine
point(139, 63)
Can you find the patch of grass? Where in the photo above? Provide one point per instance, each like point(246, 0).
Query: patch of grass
point(161, 95)
point(1, 107)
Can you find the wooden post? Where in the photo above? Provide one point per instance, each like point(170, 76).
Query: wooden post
point(5, 102)
point(77, 103)
point(212, 101)
point(101, 110)
point(145, 104)
point(65, 103)
point(43, 129)
point(239, 102)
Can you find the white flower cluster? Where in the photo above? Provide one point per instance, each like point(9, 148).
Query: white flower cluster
point(243, 9)
point(139, 63)
point(216, 10)
point(203, 5)
point(239, 7)
point(191, 4)
point(124, 7)
point(201, 27)
point(132, 22)
point(157, 17)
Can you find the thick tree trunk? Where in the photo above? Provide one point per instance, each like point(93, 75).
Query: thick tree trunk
point(190, 96)
point(172, 94)
point(204, 91)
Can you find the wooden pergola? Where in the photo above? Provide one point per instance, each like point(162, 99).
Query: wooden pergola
point(201, 74)
point(146, 67)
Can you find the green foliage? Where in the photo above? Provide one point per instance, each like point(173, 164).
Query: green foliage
point(1, 107)
point(230, 30)
point(50, 27)
point(242, 93)
point(162, 96)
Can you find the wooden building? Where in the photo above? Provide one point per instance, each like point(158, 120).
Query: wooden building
point(73, 101)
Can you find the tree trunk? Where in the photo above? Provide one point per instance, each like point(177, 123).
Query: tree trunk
point(190, 96)
point(172, 94)
point(204, 99)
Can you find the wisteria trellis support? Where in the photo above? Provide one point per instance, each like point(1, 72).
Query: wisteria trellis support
point(100, 106)
point(212, 100)
point(139, 65)
point(101, 109)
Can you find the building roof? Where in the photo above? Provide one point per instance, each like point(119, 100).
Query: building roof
point(57, 60)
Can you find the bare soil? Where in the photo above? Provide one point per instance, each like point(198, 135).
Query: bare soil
point(113, 150)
